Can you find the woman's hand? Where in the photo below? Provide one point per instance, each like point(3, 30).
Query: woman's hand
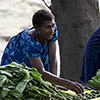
point(76, 87)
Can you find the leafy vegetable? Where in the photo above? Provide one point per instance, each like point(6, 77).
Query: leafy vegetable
point(19, 82)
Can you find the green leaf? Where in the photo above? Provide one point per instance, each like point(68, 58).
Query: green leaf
point(36, 76)
point(9, 84)
point(22, 85)
point(4, 92)
point(26, 73)
point(3, 78)
point(17, 94)
point(1, 98)
point(5, 73)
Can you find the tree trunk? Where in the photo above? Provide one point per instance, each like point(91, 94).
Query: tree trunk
point(76, 20)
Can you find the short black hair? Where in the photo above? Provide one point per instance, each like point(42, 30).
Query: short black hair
point(40, 16)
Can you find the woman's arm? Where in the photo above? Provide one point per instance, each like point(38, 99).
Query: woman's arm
point(52, 58)
point(37, 63)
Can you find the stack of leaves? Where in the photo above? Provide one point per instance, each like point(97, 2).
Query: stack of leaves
point(18, 82)
point(95, 81)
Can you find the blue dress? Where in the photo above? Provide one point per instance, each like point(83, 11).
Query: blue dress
point(91, 59)
point(22, 46)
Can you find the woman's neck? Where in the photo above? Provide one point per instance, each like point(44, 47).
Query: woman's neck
point(39, 38)
point(33, 34)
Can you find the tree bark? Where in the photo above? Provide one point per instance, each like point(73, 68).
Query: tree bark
point(76, 20)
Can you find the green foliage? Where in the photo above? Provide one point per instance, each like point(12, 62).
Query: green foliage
point(95, 81)
point(18, 82)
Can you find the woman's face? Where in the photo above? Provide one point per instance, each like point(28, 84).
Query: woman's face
point(46, 30)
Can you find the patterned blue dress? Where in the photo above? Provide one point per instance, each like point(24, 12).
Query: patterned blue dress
point(22, 46)
point(91, 59)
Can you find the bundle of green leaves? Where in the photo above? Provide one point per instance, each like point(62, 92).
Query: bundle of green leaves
point(19, 82)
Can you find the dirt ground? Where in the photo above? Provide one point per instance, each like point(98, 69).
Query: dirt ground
point(3, 44)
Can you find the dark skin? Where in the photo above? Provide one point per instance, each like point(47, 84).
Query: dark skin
point(45, 31)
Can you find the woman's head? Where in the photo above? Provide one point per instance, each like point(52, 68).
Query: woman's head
point(41, 16)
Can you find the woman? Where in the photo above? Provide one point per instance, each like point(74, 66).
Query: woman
point(91, 58)
point(36, 47)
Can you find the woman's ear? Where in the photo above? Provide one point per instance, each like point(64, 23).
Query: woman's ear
point(36, 27)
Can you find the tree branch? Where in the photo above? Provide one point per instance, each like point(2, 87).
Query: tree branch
point(47, 5)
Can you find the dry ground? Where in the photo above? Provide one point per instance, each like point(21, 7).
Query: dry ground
point(16, 15)
point(2, 46)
